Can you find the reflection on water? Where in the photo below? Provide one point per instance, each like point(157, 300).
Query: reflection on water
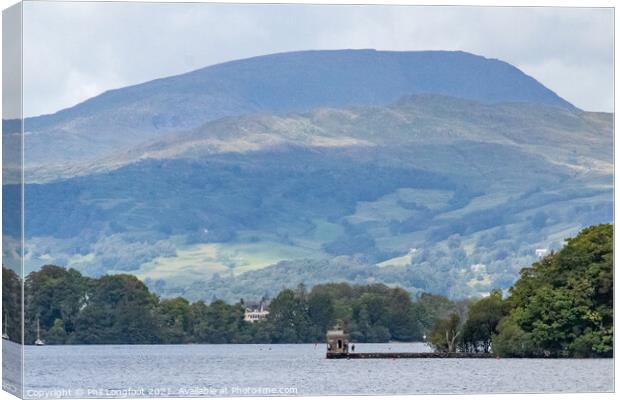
point(236, 370)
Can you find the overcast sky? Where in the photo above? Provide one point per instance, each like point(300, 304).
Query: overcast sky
point(73, 51)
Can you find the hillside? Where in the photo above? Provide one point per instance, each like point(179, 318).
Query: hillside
point(299, 81)
point(561, 306)
point(435, 193)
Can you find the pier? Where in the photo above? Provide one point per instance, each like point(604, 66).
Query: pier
point(407, 355)
point(338, 348)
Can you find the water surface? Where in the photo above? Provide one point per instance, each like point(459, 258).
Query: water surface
point(292, 369)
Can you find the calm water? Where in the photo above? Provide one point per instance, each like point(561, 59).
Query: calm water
point(237, 370)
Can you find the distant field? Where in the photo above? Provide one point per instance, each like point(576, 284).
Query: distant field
point(201, 261)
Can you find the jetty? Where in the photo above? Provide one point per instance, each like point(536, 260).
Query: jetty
point(409, 355)
point(338, 348)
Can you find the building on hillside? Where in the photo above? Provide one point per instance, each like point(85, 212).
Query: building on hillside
point(541, 252)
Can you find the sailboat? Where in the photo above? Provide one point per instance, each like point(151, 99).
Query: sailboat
point(5, 335)
point(39, 342)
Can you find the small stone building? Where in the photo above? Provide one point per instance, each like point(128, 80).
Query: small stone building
point(337, 341)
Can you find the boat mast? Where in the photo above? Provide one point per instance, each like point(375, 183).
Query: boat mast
point(39, 342)
point(5, 333)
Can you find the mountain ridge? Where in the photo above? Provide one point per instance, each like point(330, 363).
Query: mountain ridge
point(293, 81)
point(346, 127)
point(224, 64)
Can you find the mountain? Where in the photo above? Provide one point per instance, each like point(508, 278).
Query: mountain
point(289, 82)
point(436, 193)
point(427, 119)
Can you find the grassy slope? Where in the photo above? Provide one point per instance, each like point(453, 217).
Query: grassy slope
point(465, 184)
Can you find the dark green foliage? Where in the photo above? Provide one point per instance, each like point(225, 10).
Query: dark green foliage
point(174, 320)
point(562, 306)
point(223, 323)
point(448, 319)
point(403, 316)
point(512, 341)
point(119, 309)
point(54, 293)
point(370, 313)
point(321, 311)
point(435, 306)
point(115, 309)
point(483, 317)
point(289, 318)
point(447, 333)
point(11, 304)
point(57, 333)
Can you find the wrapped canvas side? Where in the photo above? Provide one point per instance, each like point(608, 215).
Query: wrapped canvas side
point(12, 199)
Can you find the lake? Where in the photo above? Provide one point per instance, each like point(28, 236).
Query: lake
point(291, 369)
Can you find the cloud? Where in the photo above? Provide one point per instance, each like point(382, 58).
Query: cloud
point(75, 50)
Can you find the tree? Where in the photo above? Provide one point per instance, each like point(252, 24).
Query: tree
point(11, 304)
point(321, 313)
point(288, 314)
point(403, 317)
point(174, 320)
point(446, 332)
point(53, 293)
point(198, 329)
point(513, 341)
point(483, 318)
point(56, 334)
point(119, 310)
point(433, 307)
point(562, 306)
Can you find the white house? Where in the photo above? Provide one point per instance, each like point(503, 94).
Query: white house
point(255, 314)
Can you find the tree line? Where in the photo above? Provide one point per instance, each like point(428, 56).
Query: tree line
point(561, 306)
point(119, 309)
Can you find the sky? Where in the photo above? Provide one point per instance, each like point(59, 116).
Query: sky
point(74, 51)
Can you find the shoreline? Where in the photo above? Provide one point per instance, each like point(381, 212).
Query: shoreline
point(358, 355)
